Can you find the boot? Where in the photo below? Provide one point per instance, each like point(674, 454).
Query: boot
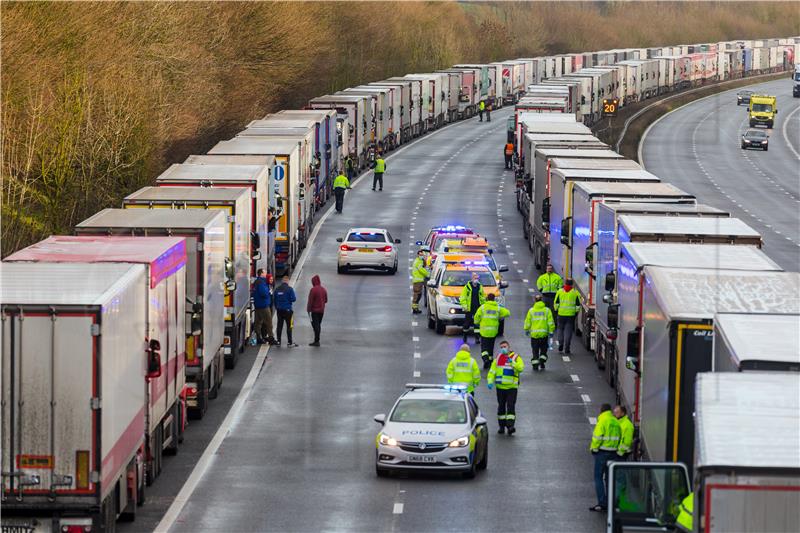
point(511, 430)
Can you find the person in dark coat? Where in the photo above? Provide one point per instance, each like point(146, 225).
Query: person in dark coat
point(317, 298)
point(262, 301)
point(284, 298)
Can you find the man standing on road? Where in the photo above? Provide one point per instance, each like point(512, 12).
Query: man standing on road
point(262, 301)
point(317, 298)
point(504, 374)
point(481, 108)
point(349, 166)
point(548, 284)
point(489, 112)
point(380, 168)
point(508, 153)
point(419, 274)
point(540, 326)
point(340, 184)
point(625, 433)
point(488, 317)
point(284, 299)
point(567, 302)
point(605, 441)
point(471, 299)
point(463, 370)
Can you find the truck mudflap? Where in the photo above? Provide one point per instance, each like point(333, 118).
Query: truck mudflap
point(645, 496)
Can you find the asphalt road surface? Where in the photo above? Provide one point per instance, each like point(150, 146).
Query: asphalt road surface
point(299, 454)
point(697, 148)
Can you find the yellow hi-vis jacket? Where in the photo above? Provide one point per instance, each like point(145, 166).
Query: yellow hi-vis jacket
point(463, 369)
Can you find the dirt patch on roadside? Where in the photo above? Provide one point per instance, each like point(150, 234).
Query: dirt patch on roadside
point(609, 130)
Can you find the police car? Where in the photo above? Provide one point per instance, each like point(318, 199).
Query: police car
point(432, 427)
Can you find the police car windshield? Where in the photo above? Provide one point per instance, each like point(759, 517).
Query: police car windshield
point(459, 278)
point(366, 237)
point(430, 412)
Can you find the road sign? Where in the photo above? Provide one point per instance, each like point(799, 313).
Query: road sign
point(506, 73)
point(610, 107)
point(279, 173)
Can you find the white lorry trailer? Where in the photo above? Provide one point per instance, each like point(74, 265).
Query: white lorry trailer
point(74, 399)
point(746, 463)
point(206, 284)
point(756, 342)
point(164, 259)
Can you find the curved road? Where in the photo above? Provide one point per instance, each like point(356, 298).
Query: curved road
point(299, 454)
point(697, 148)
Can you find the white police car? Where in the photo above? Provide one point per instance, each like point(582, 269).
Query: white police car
point(433, 427)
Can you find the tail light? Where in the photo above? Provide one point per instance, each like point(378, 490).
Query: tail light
point(346, 248)
point(385, 249)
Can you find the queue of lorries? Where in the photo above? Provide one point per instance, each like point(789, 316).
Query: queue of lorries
point(114, 337)
point(694, 326)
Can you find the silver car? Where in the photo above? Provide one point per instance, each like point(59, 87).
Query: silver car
point(367, 248)
point(432, 427)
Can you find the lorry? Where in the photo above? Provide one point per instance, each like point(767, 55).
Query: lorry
point(665, 322)
point(207, 285)
point(603, 252)
point(745, 342)
point(235, 203)
point(746, 466)
point(401, 101)
point(164, 259)
point(75, 364)
point(796, 82)
point(355, 123)
point(296, 219)
point(389, 115)
point(762, 110)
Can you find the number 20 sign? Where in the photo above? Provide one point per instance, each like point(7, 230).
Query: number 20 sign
point(610, 107)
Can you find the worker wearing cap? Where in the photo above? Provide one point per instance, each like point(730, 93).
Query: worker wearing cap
point(605, 441)
point(504, 374)
point(625, 433)
point(419, 274)
point(540, 326)
point(471, 299)
point(548, 284)
point(567, 303)
point(463, 370)
point(340, 184)
point(488, 317)
point(685, 520)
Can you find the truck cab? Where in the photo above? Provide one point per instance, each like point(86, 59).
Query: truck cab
point(796, 81)
point(762, 110)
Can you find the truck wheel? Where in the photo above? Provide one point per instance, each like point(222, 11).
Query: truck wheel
point(129, 513)
point(213, 391)
point(108, 513)
point(230, 359)
point(431, 322)
point(197, 413)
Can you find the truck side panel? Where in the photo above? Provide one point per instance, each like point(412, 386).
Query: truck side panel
point(752, 505)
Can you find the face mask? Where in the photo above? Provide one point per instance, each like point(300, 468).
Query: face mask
point(504, 350)
point(474, 282)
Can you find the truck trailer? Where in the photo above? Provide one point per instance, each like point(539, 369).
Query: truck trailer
point(756, 342)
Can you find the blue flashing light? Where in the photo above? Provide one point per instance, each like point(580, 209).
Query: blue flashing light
point(477, 263)
point(455, 387)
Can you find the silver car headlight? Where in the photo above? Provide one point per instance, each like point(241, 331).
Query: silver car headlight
point(460, 443)
point(386, 440)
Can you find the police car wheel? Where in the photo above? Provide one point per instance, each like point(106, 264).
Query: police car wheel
point(381, 472)
point(484, 462)
point(470, 474)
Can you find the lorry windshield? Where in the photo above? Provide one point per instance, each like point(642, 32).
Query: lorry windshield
point(797, 76)
point(762, 108)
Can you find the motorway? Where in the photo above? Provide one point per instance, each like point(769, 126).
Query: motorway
point(697, 148)
point(298, 449)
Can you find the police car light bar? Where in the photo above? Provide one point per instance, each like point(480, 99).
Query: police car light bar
point(448, 387)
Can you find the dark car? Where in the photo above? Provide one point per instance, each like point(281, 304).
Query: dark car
point(755, 139)
point(743, 97)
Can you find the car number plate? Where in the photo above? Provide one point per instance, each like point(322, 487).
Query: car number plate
point(422, 459)
point(368, 250)
point(18, 527)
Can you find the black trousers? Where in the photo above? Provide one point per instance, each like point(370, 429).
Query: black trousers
point(285, 317)
point(487, 349)
point(488, 116)
point(480, 114)
point(549, 298)
point(377, 179)
point(469, 325)
point(339, 192)
point(506, 407)
point(566, 325)
point(316, 325)
point(508, 161)
point(539, 349)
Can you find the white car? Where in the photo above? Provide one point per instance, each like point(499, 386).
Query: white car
point(432, 427)
point(367, 248)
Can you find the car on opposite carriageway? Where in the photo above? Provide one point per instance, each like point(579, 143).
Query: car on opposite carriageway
point(432, 427)
point(743, 97)
point(755, 139)
point(367, 248)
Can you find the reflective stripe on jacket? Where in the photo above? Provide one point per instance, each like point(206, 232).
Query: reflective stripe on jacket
point(567, 303)
point(464, 369)
point(539, 321)
point(685, 518)
point(549, 282)
point(488, 318)
point(380, 166)
point(625, 435)
point(466, 297)
point(418, 271)
point(505, 371)
point(341, 182)
point(606, 433)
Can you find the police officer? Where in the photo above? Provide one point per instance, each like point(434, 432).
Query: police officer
point(605, 441)
point(685, 519)
point(419, 274)
point(340, 184)
point(463, 370)
point(488, 317)
point(540, 326)
point(380, 168)
point(508, 153)
point(504, 374)
point(625, 433)
point(471, 299)
point(481, 108)
point(548, 284)
point(566, 302)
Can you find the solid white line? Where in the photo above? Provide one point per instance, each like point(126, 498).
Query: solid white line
point(174, 511)
point(398, 508)
point(786, 135)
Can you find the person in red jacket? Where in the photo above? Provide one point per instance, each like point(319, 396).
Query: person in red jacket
point(317, 298)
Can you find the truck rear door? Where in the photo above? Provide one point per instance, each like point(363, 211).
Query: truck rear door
point(645, 496)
